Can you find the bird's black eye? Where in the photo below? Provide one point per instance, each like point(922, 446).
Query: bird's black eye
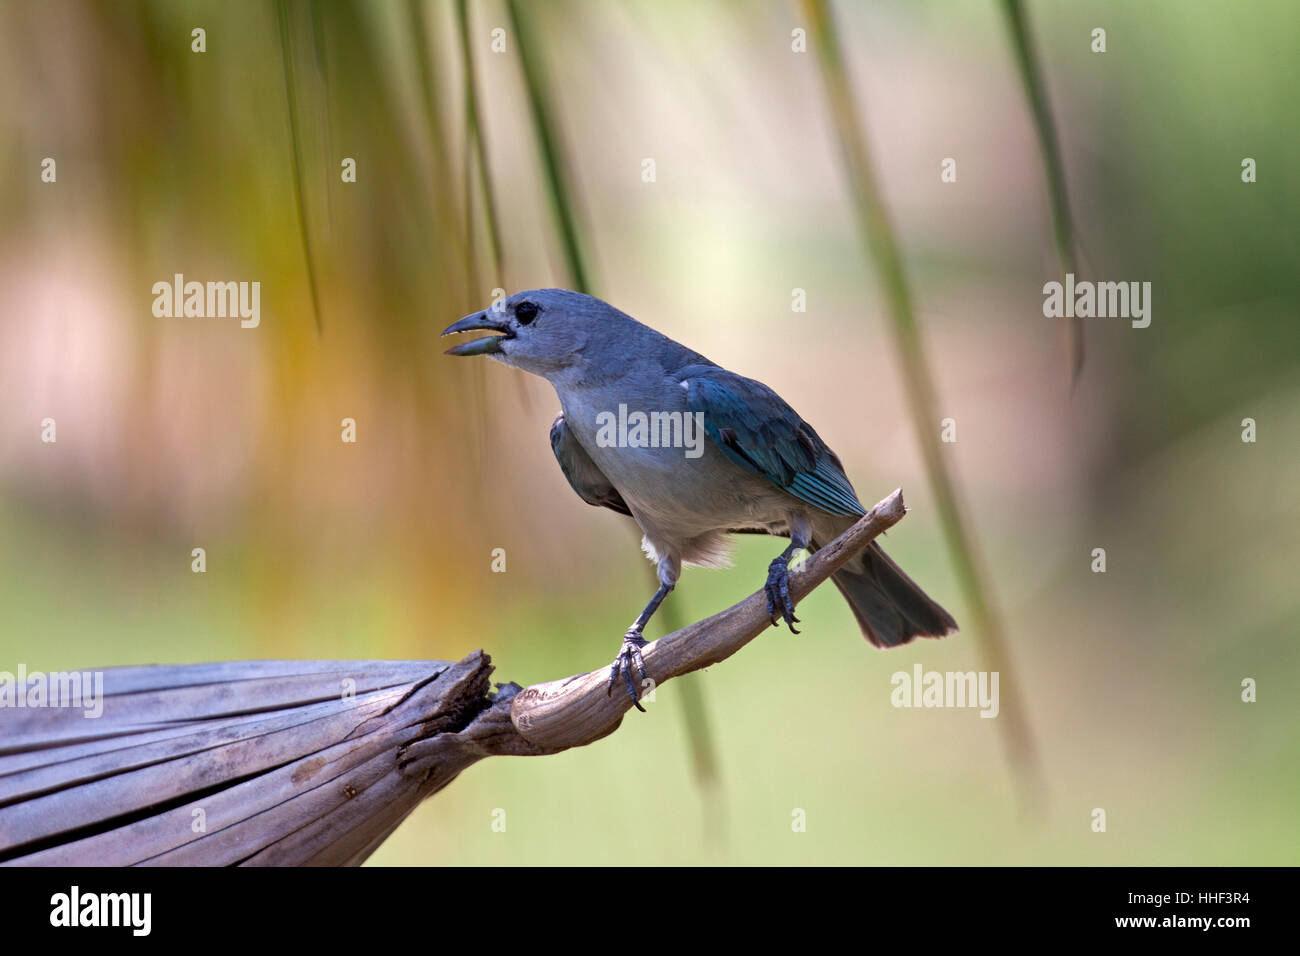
point(525, 312)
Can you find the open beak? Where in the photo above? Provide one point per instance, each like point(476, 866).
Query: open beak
point(479, 321)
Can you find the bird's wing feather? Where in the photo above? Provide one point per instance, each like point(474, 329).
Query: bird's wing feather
point(757, 430)
point(584, 476)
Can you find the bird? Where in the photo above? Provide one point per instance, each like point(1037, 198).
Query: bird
point(722, 454)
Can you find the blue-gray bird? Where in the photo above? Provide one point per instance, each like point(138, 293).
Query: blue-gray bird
point(757, 468)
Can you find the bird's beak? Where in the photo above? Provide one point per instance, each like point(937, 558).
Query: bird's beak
point(477, 322)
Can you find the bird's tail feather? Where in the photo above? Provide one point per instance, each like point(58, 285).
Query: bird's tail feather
point(890, 607)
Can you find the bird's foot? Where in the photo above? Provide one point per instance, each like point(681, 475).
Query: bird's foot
point(777, 589)
point(629, 658)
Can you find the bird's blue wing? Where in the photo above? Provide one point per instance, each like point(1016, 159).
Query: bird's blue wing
point(584, 476)
point(757, 430)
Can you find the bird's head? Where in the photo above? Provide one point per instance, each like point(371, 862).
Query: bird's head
point(543, 331)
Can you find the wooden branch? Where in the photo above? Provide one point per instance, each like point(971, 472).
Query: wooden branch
point(277, 762)
point(579, 710)
point(309, 762)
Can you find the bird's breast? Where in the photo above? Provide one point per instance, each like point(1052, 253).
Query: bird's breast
point(675, 479)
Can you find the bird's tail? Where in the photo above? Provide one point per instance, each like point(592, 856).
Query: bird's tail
point(890, 607)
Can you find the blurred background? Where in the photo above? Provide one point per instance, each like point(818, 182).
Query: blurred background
point(178, 433)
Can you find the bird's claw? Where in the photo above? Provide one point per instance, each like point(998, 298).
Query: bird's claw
point(777, 589)
point(628, 658)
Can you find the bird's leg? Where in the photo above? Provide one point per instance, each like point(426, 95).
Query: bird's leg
point(629, 657)
point(777, 587)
